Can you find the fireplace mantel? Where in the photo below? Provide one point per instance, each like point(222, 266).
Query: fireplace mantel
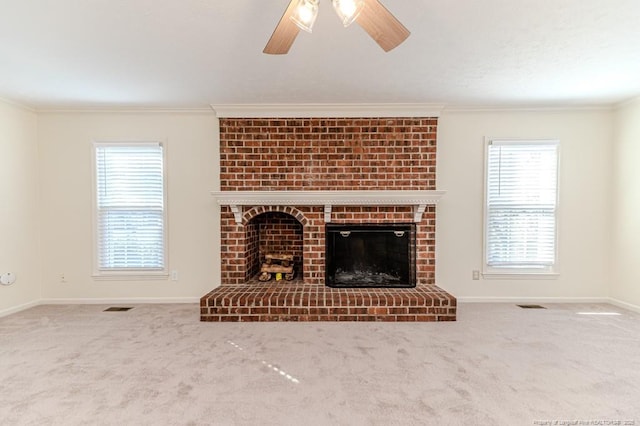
point(418, 199)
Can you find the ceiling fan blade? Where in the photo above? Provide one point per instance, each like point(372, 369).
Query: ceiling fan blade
point(284, 34)
point(381, 25)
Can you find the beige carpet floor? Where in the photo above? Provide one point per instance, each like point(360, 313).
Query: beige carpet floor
point(158, 365)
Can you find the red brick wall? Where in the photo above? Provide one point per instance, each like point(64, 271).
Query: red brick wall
point(325, 154)
point(252, 249)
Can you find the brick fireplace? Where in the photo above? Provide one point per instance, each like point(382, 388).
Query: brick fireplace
point(283, 179)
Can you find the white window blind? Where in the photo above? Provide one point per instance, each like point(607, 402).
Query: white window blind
point(130, 206)
point(521, 205)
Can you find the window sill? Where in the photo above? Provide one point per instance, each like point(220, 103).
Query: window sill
point(129, 276)
point(520, 276)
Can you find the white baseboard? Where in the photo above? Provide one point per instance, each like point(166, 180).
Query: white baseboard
point(19, 308)
point(109, 301)
point(482, 299)
point(538, 300)
point(624, 305)
point(124, 300)
point(175, 300)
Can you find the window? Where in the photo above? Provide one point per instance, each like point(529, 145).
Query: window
point(521, 206)
point(130, 209)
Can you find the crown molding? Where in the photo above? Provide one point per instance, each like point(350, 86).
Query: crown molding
point(525, 108)
point(320, 110)
point(627, 103)
point(19, 105)
point(326, 110)
point(123, 110)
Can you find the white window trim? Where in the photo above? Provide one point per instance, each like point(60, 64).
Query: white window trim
point(129, 274)
point(489, 272)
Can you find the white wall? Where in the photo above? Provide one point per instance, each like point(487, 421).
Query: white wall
point(584, 218)
point(625, 270)
point(65, 171)
point(19, 247)
point(64, 163)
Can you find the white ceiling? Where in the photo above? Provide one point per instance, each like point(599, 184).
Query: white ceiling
point(193, 53)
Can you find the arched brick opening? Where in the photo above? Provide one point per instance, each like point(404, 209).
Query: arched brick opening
point(255, 211)
point(277, 229)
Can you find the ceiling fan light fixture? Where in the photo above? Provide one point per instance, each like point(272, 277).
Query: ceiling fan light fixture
point(305, 14)
point(348, 10)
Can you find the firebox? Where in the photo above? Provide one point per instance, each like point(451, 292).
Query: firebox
point(371, 255)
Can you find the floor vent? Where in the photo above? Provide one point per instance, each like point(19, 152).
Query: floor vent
point(532, 307)
point(117, 309)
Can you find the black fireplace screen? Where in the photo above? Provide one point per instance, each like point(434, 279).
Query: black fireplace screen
point(371, 255)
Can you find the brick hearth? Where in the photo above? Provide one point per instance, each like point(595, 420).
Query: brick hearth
point(299, 302)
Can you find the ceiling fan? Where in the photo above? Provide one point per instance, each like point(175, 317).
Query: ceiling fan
point(371, 15)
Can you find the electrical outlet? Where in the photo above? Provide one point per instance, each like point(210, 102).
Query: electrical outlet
point(63, 278)
point(475, 274)
point(7, 278)
point(174, 275)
